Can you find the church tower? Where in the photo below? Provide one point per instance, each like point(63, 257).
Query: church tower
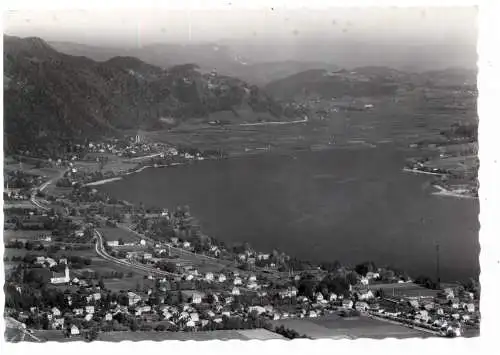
point(66, 274)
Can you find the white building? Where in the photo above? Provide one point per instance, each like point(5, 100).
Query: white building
point(62, 279)
point(74, 330)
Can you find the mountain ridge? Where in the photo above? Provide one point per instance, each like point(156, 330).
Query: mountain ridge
point(48, 92)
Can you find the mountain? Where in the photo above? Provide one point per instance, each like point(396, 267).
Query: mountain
point(368, 81)
point(330, 84)
point(50, 96)
point(207, 55)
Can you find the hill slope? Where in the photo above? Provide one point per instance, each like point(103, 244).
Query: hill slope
point(50, 95)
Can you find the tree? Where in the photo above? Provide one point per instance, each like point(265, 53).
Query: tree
point(92, 334)
point(352, 278)
point(364, 268)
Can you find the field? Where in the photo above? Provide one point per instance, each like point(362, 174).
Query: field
point(23, 235)
point(110, 233)
point(336, 327)
point(115, 164)
point(260, 334)
point(404, 290)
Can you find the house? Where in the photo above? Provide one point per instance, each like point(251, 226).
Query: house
point(78, 311)
point(218, 320)
point(440, 311)
point(262, 256)
point(372, 275)
point(74, 330)
point(423, 315)
point(347, 303)
point(253, 286)
point(209, 276)
point(361, 306)
point(367, 295)
point(448, 293)
point(455, 303)
point(89, 309)
point(257, 309)
point(186, 245)
point(96, 296)
point(226, 314)
point(414, 303)
point(364, 281)
point(237, 281)
point(242, 257)
point(313, 314)
point(88, 317)
point(58, 323)
point(56, 312)
point(196, 298)
point(235, 291)
point(319, 297)
point(133, 298)
point(332, 297)
point(469, 307)
point(144, 309)
point(194, 317)
point(113, 243)
point(147, 256)
point(269, 309)
point(429, 306)
point(302, 299)
point(252, 278)
point(108, 317)
point(56, 280)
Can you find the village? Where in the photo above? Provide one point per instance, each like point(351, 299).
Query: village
point(81, 263)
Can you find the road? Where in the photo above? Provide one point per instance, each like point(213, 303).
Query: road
point(100, 250)
point(413, 326)
point(21, 328)
point(43, 187)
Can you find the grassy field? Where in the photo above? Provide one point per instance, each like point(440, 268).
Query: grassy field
point(335, 326)
point(10, 235)
point(260, 334)
point(110, 233)
point(404, 290)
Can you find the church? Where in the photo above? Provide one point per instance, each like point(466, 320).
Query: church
point(60, 279)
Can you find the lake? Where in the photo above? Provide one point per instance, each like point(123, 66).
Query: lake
point(350, 205)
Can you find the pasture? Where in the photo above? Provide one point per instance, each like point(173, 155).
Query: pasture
point(335, 327)
point(260, 334)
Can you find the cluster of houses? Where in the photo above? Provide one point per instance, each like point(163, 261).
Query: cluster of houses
point(446, 313)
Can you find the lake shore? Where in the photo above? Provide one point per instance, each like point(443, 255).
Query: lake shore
point(450, 193)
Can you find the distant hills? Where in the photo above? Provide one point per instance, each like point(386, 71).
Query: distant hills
point(51, 95)
point(368, 81)
point(207, 56)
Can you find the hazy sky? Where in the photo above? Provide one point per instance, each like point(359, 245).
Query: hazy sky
point(142, 26)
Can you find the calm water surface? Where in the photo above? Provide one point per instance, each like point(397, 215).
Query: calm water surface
point(349, 205)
